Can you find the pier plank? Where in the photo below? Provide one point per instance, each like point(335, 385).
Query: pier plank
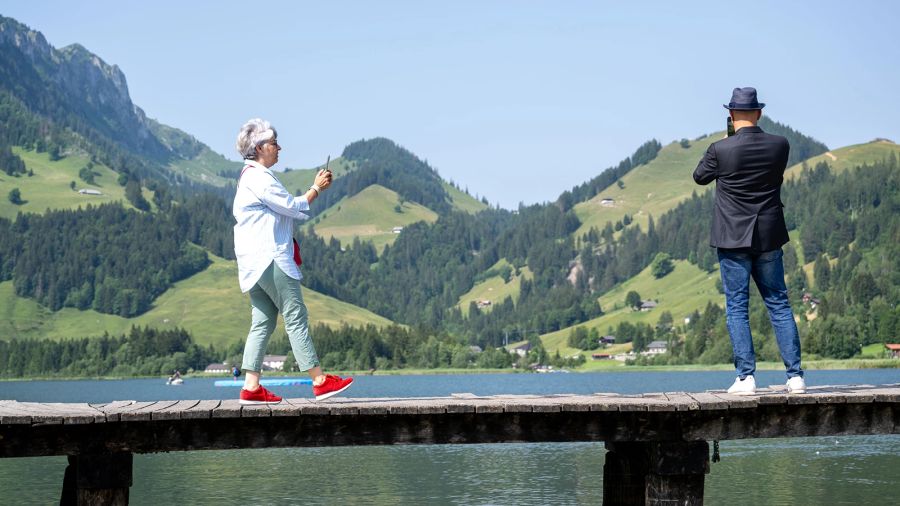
point(201, 410)
point(229, 408)
point(175, 411)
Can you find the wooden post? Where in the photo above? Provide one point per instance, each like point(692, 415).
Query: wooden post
point(677, 472)
point(655, 473)
point(625, 473)
point(97, 479)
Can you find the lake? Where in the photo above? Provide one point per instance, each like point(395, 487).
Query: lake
point(796, 471)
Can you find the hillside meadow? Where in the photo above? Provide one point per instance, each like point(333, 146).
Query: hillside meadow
point(682, 291)
point(208, 304)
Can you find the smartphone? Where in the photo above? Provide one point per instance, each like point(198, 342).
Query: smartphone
point(729, 126)
point(327, 162)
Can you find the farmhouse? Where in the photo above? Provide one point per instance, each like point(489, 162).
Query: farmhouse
point(217, 368)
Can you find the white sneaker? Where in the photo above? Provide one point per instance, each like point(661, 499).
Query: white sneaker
point(796, 385)
point(746, 386)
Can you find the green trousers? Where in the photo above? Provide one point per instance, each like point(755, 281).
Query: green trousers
point(277, 292)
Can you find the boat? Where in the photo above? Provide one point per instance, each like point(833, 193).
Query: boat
point(176, 381)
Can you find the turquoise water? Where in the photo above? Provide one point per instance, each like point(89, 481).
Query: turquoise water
point(833, 470)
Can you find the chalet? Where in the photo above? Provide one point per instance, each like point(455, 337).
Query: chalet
point(656, 348)
point(647, 305)
point(601, 356)
point(522, 349)
point(275, 362)
point(482, 303)
point(397, 230)
point(608, 202)
point(89, 191)
point(809, 299)
point(217, 368)
point(893, 350)
point(607, 340)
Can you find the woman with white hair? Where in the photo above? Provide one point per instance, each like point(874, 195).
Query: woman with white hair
point(269, 260)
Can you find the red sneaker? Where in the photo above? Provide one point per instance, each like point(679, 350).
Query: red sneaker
point(259, 396)
point(332, 386)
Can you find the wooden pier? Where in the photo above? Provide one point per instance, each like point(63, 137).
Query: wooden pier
point(658, 444)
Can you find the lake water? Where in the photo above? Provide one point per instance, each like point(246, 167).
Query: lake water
point(797, 471)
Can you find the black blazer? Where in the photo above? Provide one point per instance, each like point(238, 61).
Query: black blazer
point(748, 168)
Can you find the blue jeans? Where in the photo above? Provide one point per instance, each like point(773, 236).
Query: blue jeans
point(767, 271)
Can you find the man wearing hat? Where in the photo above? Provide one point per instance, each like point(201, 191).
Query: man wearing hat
point(748, 231)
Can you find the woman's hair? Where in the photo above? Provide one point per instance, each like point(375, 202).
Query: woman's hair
point(253, 134)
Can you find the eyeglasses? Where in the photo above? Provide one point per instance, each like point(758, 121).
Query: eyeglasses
point(274, 142)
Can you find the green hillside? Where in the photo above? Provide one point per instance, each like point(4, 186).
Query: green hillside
point(682, 291)
point(371, 216)
point(49, 186)
point(494, 288)
point(209, 304)
point(298, 180)
point(462, 201)
point(650, 189)
point(850, 156)
point(207, 167)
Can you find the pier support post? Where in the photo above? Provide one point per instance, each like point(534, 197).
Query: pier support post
point(655, 473)
point(97, 479)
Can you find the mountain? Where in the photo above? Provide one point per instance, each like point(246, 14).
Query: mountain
point(157, 252)
point(68, 100)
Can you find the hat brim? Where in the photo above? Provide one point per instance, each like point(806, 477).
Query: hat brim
point(744, 107)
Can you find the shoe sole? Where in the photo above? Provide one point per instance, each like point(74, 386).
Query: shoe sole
point(332, 394)
point(253, 403)
point(796, 391)
point(741, 393)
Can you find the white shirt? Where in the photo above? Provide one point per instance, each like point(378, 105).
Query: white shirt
point(265, 212)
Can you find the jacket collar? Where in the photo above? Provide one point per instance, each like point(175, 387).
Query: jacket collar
point(750, 129)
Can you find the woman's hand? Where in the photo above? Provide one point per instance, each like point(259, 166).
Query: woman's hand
point(323, 179)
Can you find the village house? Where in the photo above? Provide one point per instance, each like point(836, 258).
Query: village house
point(482, 303)
point(607, 340)
point(601, 356)
point(656, 348)
point(607, 202)
point(522, 349)
point(809, 299)
point(397, 230)
point(274, 362)
point(218, 368)
point(893, 350)
point(89, 191)
point(647, 305)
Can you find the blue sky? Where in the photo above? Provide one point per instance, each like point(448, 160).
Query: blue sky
point(516, 101)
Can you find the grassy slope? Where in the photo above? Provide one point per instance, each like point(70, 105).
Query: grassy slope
point(207, 167)
point(462, 201)
point(49, 186)
point(209, 304)
point(494, 288)
point(681, 292)
point(370, 215)
point(850, 156)
point(653, 188)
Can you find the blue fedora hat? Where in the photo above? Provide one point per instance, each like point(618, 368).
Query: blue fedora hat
point(744, 99)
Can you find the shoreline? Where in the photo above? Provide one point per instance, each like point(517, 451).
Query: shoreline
point(811, 365)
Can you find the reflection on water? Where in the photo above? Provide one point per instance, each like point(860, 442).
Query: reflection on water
point(797, 471)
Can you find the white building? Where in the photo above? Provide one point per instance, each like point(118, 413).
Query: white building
point(275, 362)
point(656, 348)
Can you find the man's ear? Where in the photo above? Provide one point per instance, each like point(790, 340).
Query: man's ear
point(758, 114)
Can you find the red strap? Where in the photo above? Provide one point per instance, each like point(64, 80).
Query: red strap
point(297, 259)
